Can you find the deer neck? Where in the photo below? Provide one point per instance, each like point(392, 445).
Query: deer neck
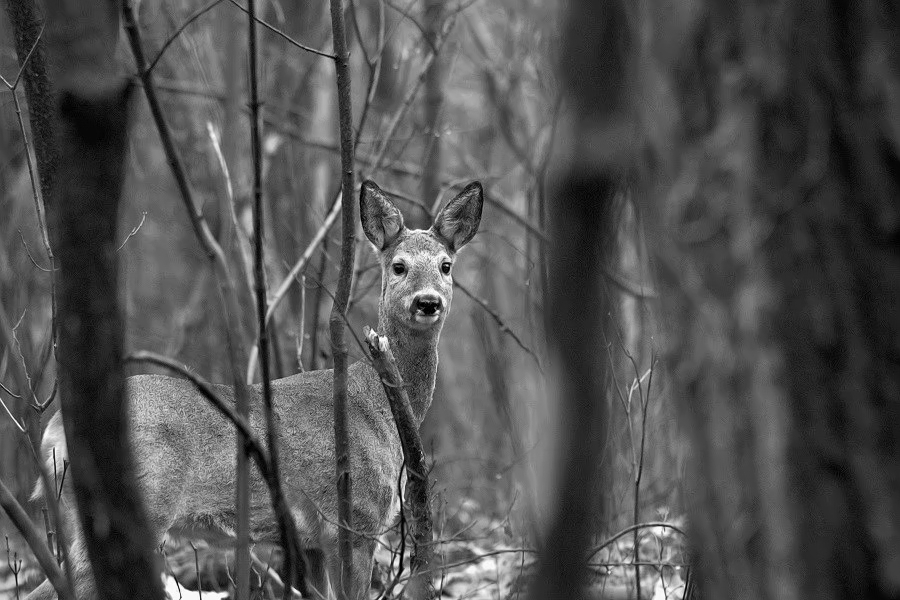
point(417, 358)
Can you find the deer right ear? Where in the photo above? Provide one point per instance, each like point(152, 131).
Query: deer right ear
point(381, 220)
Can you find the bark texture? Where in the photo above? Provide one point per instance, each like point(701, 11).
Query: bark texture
point(339, 308)
point(93, 118)
point(41, 111)
point(773, 133)
point(583, 211)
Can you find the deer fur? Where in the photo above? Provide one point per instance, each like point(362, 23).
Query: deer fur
point(184, 450)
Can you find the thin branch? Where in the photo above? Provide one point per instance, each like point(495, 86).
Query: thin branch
point(202, 11)
point(408, 16)
point(198, 222)
point(32, 174)
point(290, 544)
point(10, 392)
point(290, 278)
point(35, 541)
point(12, 86)
point(500, 322)
point(15, 421)
point(631, 528)
point(30, 256)
point(133, 231)
point(285, 36)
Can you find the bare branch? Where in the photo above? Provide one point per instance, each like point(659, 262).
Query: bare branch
point(133, 231)
point(420, 586)
point(292, 564)
point(500, 322)
point(200, 12)
point(285, 36)
point(339, 308)
point(35, 541)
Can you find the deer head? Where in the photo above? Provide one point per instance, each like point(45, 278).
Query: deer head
point(417, 265)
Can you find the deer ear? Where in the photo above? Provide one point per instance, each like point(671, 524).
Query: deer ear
point(381, 220)
point(458, 222)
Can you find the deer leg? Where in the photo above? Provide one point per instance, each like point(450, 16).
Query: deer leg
point(363, 561)
point(361, 577)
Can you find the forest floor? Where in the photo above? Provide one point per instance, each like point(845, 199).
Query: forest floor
point(483, 563)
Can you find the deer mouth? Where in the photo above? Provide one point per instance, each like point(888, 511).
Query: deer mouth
point(425, 318)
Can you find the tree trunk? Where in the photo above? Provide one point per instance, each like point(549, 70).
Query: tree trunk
point(41, 112)
point(432, 103)
point(774, 199)
point(93, 134)
point(583, 214)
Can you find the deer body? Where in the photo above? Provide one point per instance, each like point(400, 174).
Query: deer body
point(184, 450)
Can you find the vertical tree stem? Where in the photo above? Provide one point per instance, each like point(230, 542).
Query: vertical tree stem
point(93, 116)
point(288, 542)
point(342, 296)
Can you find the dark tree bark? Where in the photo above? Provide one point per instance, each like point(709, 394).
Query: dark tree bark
point(773, 138)
point(583, 212)
point(93, 122)
point(432, 103)
point(41, 111)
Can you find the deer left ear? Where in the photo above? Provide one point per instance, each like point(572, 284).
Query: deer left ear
point(381, 221)
point(458, 222)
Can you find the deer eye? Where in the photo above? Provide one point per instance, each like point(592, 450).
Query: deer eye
point(445, 268)
point(399, 268)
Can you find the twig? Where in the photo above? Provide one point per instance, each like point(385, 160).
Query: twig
point(200, 12)
point(14, 564)
point(133, 231)
point(500, 323)
point(197, 569)
point(12, 86)
point(27, 28)
point(30, 257)
point(35, 541)
point(426, 35)
point(289, 279)
point(10, 392)
point(628, 530)
point(18, 425)
point(285, 36)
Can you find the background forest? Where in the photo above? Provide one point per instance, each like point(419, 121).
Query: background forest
point(672, 357)
point(449, 93)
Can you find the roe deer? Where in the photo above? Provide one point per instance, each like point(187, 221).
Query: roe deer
point(184, 450)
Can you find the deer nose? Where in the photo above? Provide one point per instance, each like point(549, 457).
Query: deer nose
point(428, 304)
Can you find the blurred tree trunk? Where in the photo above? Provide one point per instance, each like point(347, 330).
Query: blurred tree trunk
point(583, 212)
point(41, 112)
point(773, 132)
point(433, 102)
point(93, 135)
